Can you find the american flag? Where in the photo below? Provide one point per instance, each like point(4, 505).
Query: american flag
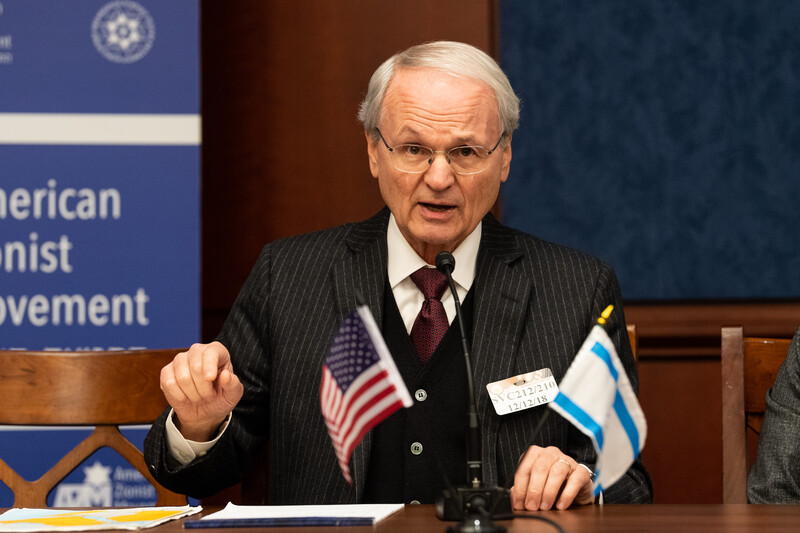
point(360, 384)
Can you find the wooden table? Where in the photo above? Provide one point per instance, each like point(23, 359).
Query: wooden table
point(610, 519)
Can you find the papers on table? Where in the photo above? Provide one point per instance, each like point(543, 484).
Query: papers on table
point(295, 515)
point(29, 520)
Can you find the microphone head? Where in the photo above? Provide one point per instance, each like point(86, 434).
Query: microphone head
point(445, 262)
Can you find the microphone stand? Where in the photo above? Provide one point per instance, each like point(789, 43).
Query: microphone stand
point(474, 505)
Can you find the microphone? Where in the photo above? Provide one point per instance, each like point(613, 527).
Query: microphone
point(446, 263)
point(475, 505)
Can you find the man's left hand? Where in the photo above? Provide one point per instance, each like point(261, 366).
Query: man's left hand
point(547, 476)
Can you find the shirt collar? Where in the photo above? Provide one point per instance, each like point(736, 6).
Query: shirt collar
point(404, 261)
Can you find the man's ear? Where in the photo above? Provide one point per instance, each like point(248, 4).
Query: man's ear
point(372, 153)
point(506, 153)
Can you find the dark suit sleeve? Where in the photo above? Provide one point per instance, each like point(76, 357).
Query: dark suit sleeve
point(775, 477)
point(635, 486)
point(245, 334)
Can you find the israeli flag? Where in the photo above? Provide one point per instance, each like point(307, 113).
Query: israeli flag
point(596, 396)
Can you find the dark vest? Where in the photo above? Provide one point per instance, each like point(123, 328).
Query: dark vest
point(434, 426)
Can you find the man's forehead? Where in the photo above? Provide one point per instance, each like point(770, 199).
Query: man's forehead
point(430, 80)
point(419, 97)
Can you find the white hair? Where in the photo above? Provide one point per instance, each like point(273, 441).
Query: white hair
point(456, 58)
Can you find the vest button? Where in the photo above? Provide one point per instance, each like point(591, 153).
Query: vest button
point(421, 395)
point(416, 448)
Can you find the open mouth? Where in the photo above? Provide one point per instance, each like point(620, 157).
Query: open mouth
point(437, 208)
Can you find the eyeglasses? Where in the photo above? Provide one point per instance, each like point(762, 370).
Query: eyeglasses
point(414, 158)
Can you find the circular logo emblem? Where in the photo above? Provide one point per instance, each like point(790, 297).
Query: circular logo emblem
point(123, 31)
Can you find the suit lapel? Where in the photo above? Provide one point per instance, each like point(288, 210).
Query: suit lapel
point(363, 270)
point(502, 295)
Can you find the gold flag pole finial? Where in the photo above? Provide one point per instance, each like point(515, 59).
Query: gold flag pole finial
point(604, 315)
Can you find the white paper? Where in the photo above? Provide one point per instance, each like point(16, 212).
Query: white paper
point(359, 510)
point(30, 520)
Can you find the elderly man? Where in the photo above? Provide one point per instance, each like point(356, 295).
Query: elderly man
point(438, 121)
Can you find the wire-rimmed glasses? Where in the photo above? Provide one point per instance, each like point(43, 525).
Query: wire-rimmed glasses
point(415, 158)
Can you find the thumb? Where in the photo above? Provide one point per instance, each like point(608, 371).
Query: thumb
point(230, 387)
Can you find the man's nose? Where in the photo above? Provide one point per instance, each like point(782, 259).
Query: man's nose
point(439, 175)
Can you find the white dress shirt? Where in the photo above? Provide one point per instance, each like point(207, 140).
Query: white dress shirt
point(402, 261)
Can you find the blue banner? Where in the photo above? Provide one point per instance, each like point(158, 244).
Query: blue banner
point(99, 200)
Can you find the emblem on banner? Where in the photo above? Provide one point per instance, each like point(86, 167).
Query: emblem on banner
point(123, 31)
point(106, 486)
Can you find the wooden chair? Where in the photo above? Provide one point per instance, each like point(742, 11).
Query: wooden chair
point(634, 341)
point(749, 367)
point(100, 389)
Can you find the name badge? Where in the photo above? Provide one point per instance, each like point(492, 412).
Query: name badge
point(523, 392)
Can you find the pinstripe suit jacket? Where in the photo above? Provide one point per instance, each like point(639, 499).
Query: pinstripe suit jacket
point(534, 303)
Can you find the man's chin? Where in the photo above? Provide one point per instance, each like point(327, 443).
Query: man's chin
point(437, 240)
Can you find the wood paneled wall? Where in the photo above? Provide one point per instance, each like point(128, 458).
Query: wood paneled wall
point(680, 386)
point(283, 153)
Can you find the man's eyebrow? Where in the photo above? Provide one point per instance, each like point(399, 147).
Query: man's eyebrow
point(464, 140)
point(411, 132)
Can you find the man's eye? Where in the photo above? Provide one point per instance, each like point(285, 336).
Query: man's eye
point(464, 152)
point(411, 149)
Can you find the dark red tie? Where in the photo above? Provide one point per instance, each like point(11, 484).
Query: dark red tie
point(431, 322)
